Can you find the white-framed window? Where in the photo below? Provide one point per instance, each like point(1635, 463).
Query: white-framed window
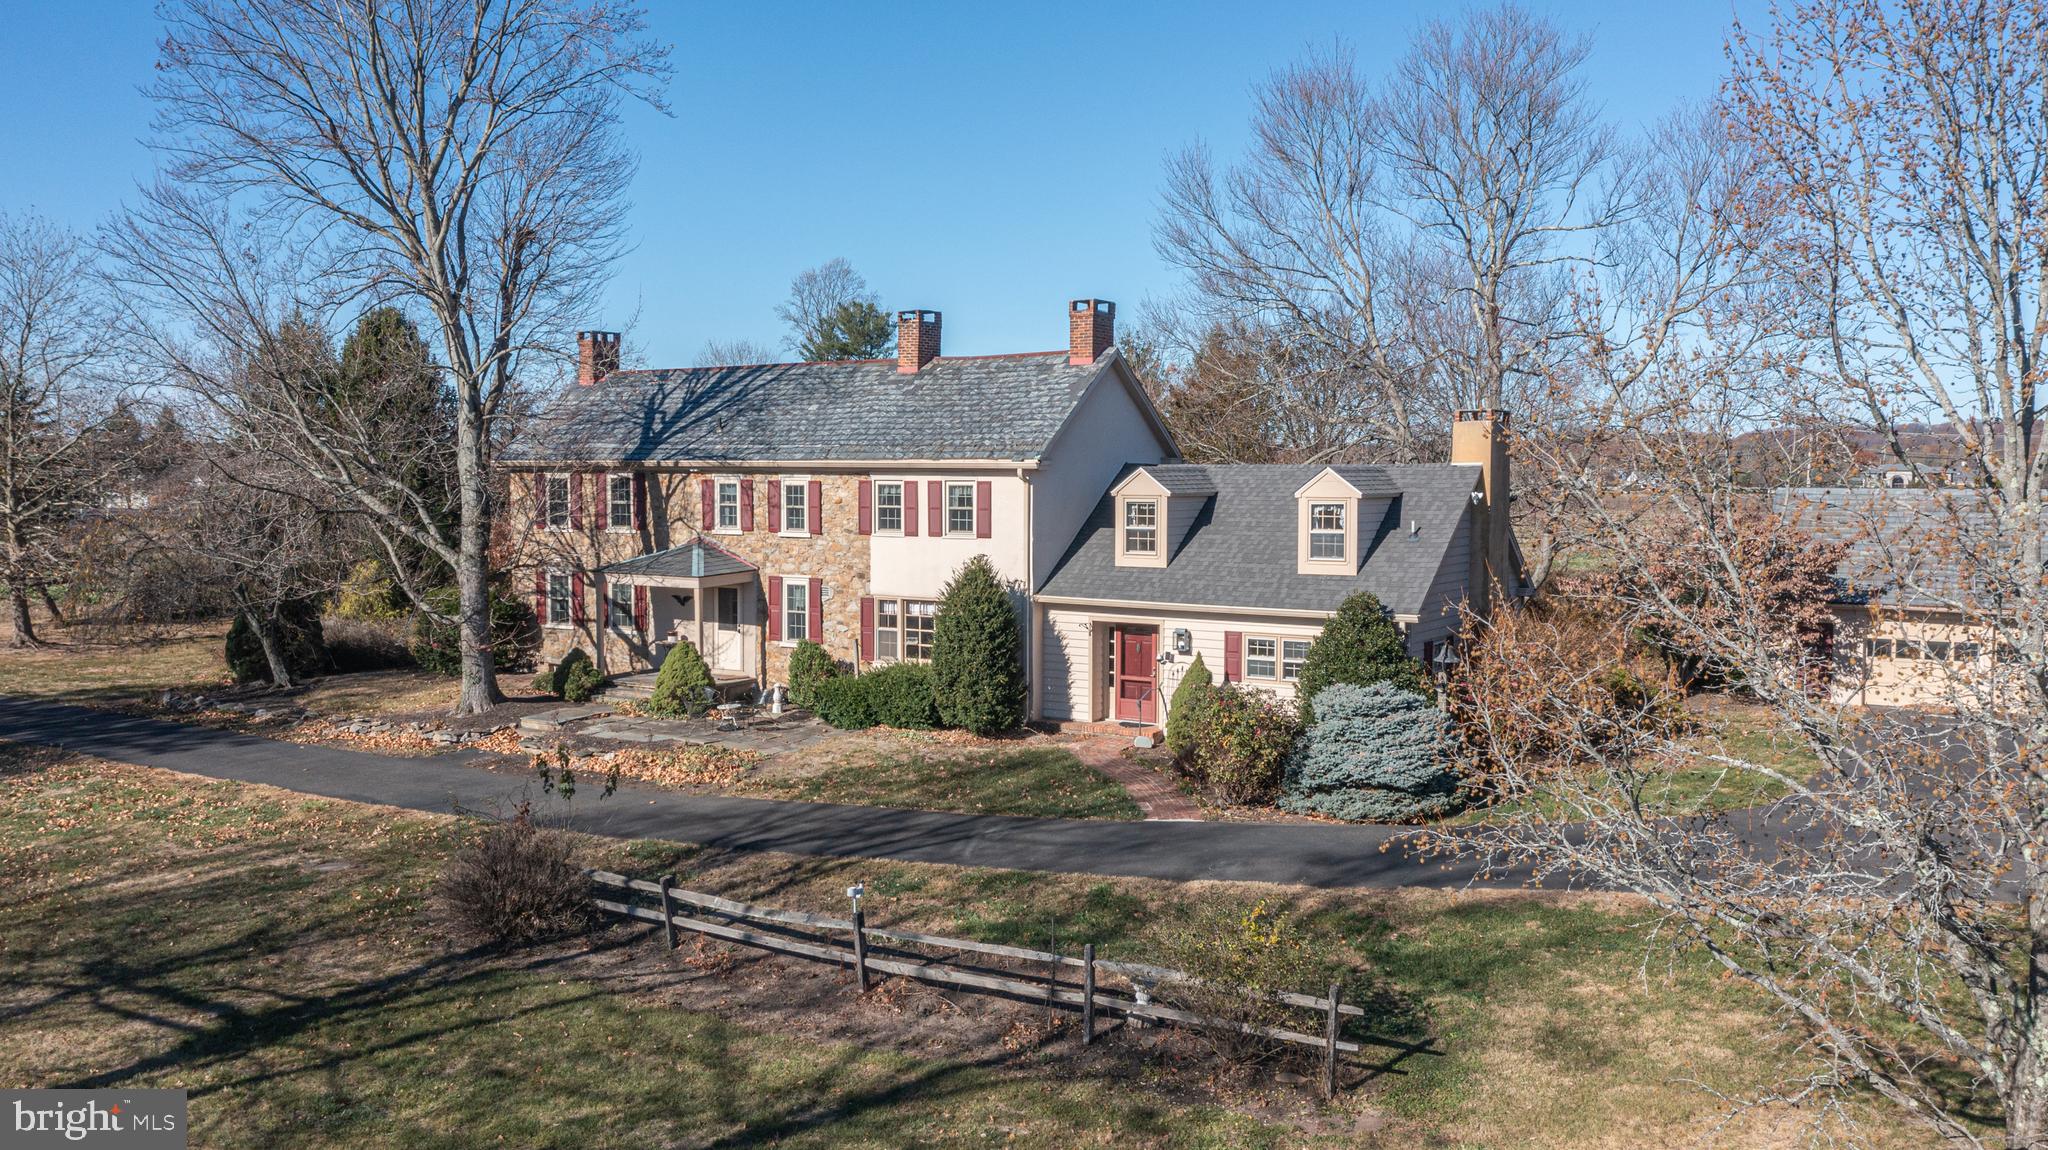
point(1141, 527)
point(903, 629)
point(1293, 653)
point(959, 508)
point(619, 605)
point(556, 511)
point(796, 515)
point(619, 502)
point(560, 609)
point(1326, 531)
point(1261, 657)
point(726, 505)
point(796, 610)
point(889, 508)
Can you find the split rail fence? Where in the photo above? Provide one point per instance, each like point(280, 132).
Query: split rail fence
point(868, 950)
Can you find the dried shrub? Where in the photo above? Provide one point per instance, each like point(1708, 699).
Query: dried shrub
point(1240, 740)
point(513, 886)
point(1235, 959)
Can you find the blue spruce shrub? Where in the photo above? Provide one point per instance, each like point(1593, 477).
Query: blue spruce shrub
point(1373, 754)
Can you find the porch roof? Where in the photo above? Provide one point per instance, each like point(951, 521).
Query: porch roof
point(697, 559)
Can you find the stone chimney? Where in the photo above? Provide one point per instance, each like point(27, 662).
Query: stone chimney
point(917, 339)
point(597, 355)
point(1481, 437)
point(1091, 328)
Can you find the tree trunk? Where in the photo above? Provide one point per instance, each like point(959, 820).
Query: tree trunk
point(269, 637)
point(472, 570)
point(24, 627)
point(50, 602)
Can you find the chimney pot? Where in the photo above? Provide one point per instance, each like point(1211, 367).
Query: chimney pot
point(1091, 329)
point(917, 339)
point(597, 355)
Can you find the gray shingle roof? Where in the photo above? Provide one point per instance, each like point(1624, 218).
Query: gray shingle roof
point(974, 407)
point(1907, 546)
point(696, 559)
point(1182, 478)
point(1240, 550)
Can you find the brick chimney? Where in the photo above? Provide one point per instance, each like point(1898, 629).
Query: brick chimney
point(1481, 437)
point(917, 339)
point(597, 355)
point(1091, 328)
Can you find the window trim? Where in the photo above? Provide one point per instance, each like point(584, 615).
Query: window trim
point(971, 510)
point(547, 508)
point(900, 633)
point(1245, 657)
point(802, 486)
point(612, 610)
point(799, 587)
point(611, 500)
point(719, 485)
point(566, 617)
point(1151, 530)
point(901, 507)
point(1298, 663)
point(1340, 531)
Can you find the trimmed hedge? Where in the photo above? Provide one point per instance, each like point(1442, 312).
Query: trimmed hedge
point(1360, 645)
point(1375, 754)
point(809, 665)
point(683, 684)
point(573, 680)
point(1182, 713)
point(977, 668)
point(895, 695)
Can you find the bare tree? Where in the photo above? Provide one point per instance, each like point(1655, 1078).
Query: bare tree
point(815, 293)
point(462, 157)
point(735, 353)
point(1893, 900)
point(55, 398)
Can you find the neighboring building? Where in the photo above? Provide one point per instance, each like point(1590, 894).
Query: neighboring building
point(746, 508)
point(1908, 631)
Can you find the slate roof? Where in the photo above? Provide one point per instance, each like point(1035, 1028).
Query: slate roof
point(1239, 552)
point(973, 407)
point(1182, 478)
point(696, 559)
point(1906, 544)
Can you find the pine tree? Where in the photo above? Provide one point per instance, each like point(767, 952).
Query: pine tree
point(1359, 645)
point(680, 685)
point(977, 653)
point(1188, 697)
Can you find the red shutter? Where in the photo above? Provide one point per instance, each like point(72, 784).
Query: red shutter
point(1233, 656)
point(746, 506)
point(640, 611)
point(935, 509)
point(775, 608)
point(540, 595)
point(575, 501)
point(867, 628)
point(817, 611)
point(770, 495)
point(867, 507)
point(577, 611)
point(639, 501)
point(816, 499)
point(910, 508)
point(982, 490)
point(710, 505)
point(540, 499)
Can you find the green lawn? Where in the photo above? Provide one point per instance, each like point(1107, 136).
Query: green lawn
point(114, 672)
point(1037, 781)
point(270, 953)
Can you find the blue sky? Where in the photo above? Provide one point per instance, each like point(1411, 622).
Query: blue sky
point(990, 161)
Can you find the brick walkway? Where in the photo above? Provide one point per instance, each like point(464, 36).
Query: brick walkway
point(1153, 791)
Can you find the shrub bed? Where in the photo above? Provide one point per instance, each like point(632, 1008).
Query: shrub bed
point(896, 695)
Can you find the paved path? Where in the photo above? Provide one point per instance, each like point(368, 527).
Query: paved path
point(1333, 856)
point(1155, 794)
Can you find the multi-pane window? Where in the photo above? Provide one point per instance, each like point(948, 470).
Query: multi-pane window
point(620, 503)
point(619, 605)
point(557, 509)
point(1293, 653)
point(889, 507)
point(959, 508)
point(1141, 527)
point(795, 511)
point(903, 629)
point(727, 511)
point(1260, 658)
point(1326, 531)
point(558, 598)
point(796, 610)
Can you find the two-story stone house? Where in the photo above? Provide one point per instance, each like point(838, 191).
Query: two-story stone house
point(747, 508)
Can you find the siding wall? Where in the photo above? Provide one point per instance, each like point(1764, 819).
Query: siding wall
point(1439, 618)
point(1864, 679)
point(1071, 644)
point(1105, 432)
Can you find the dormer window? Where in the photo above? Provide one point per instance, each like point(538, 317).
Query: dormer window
point(1326, 531)
point(1141, 527)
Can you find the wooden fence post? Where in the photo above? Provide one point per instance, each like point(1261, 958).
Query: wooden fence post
point(1087, 994)
point(1330, 1041)
point(860, 948)
point(668, 911)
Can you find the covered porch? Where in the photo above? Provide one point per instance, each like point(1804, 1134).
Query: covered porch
point(696, 592)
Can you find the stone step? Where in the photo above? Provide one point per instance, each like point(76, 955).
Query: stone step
point(561, 717)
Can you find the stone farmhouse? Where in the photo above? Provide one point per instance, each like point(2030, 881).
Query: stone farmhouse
point(746, 508)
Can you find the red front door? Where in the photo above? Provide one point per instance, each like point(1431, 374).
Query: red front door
point(1136, 700)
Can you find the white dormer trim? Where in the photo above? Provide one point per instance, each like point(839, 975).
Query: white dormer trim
point(1132, 498)
point(1333, 496)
